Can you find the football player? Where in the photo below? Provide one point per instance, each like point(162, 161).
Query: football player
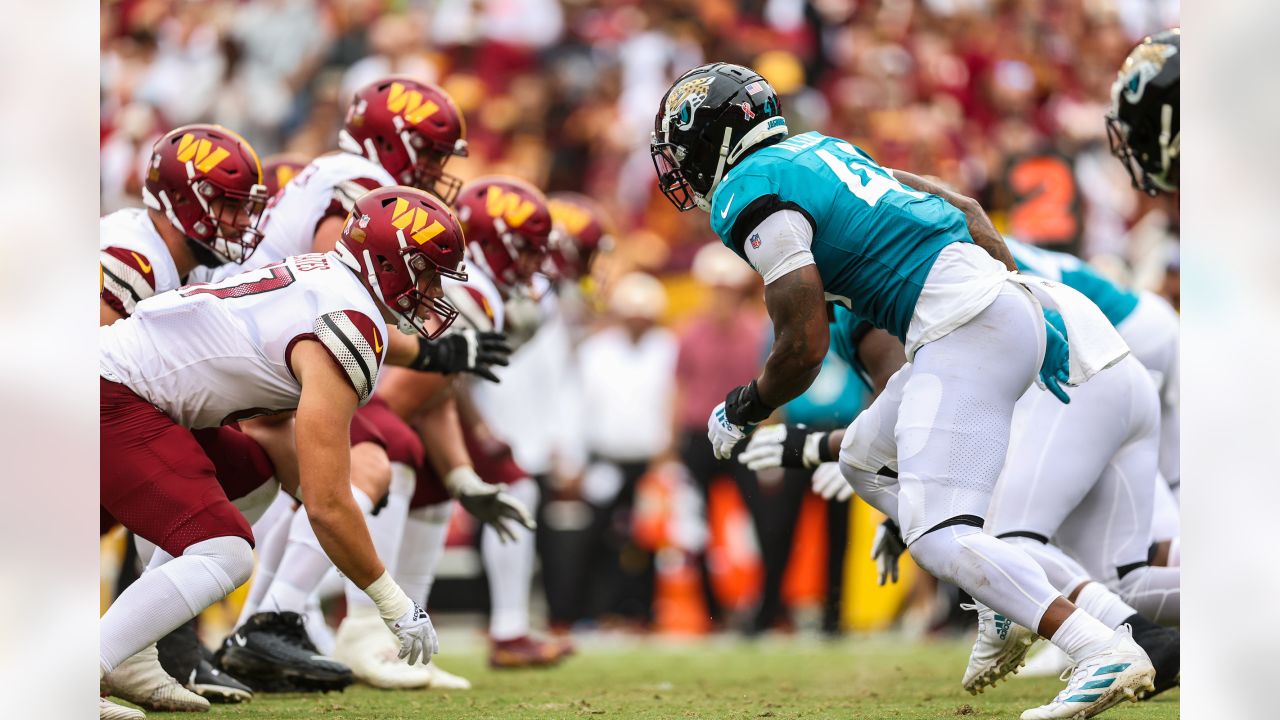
point(508, 229)
point(203, 204)
point(309, 333)
point(1143, 129)
point(397, 130)
point(819, 219)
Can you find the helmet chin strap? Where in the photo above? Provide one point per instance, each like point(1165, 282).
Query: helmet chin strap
point(1168, 147)
point(701, 200)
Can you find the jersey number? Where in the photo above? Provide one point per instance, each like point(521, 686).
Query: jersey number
point(864, 181)
point(279, 276)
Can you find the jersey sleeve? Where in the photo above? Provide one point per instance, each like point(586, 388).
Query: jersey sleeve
point(748, 197)
point(345, 194)
point(355, 344)
point(780, 244)
point(127, 278)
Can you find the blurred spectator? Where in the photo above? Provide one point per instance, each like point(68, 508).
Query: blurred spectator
point(720, 347)
point(626, 372)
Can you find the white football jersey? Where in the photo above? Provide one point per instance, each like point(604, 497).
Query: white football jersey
point(134, 261)
point(328, 187)
point(478, 301)
point(208, 354)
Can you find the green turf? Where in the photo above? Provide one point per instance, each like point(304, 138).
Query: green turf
point(772, 679)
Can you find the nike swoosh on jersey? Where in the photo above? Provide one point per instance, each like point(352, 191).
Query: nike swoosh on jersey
point(725, 212)
point(146, 266)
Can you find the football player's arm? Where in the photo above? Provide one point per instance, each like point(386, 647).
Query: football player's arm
point(882, 355)
point(322, 429)
point(779, 249)
point(328, 231)
point(106, 313)
point(981, 229)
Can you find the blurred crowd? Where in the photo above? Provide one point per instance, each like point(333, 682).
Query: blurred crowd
point(1002, 99)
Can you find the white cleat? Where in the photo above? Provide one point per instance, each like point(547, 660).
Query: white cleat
point(1120, 671)
point(1045, 660)
point(442, 679)
point(999, 650)
point(108, 710)
point(142, 681)
point(364, 644)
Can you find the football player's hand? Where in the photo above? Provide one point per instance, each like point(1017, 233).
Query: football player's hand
point(724, 435)
point(829, 482)
point(1056, 368)
point(788, 446)
point(416, 635)
point(489, 503)
point(886, 548)
point(464, 350)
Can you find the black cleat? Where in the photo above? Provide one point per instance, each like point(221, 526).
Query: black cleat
point(216, 686)
point(272, 653)
point(1163, 646)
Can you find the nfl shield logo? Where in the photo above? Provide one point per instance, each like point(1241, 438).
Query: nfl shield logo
point(755, 240)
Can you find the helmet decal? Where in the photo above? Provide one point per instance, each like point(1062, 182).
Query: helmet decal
point(686, 98)
point(410, 103)
point(1144, 63)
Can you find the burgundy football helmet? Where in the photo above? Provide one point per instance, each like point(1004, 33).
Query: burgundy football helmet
point(208, 181)
point(410, 128)
point(584, 231)
point(508, 228)
point(402, 241)
point(279, 169)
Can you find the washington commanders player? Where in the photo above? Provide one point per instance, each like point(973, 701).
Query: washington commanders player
point(508, 229)
point(397, 130)
point(203, 202)
point(306, 334)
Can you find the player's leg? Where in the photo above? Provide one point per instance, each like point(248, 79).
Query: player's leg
point(1166, 527)
point(953, 432)
point(158, 482)
point(509, 568)
point(272, 534)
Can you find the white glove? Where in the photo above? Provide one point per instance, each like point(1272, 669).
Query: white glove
point(886, 548)
point(724, 435)
point(488, 503)
point(829, 482)
point(406, 619)
point(764, 449)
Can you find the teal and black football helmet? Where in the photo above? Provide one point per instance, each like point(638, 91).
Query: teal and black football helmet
point(1143, 122)
point(707, 121)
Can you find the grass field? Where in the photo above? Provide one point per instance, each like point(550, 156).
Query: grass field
point(773, 678)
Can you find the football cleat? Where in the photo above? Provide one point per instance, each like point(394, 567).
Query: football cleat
point(108, 710)
point(272, 653)
point(442, 679)
point(999, 650)
point(525, 651)
point(214, 685)
point(1163, 647)
point(142, 681)
point(1120, 671)
point(1047, 660)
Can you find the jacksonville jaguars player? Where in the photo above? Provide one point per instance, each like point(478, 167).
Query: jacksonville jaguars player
point(820, 220)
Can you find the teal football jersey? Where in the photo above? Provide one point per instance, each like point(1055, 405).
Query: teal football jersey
point(846, 330)
point(1114, 301)
point(874, 239)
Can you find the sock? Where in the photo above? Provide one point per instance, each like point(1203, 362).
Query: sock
point(995, 573)
point(1103, 604)
point(1081, 635)
point(421, 547)
point(1156, 592)
point(509, 567)
point(171, 594)
point(317, 629)
point(272, 533)
point(387, 528)
point(304, 563)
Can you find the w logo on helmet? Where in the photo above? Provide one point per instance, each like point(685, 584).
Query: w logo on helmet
point(512, 208)
point(414, 220)
point(410, 104)
point(202, 152)
point(573, 218)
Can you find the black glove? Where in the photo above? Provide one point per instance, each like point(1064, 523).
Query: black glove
point(463, 351)
point(743, 406)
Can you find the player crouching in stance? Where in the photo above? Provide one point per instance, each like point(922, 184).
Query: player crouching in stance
point(308, 333)
point(819, 219)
